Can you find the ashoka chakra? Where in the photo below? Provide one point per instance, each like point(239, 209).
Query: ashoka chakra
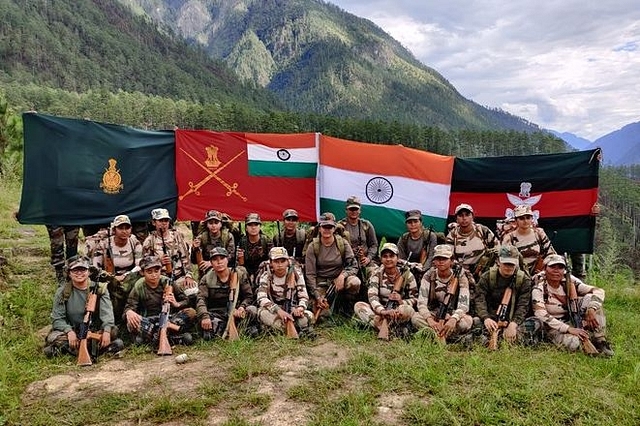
point(379, 190)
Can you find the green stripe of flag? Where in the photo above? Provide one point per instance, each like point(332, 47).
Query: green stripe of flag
point(282, 169)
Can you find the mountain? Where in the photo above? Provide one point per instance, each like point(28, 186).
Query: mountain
point(621, 147)
point(574, 141)
point(317, 58)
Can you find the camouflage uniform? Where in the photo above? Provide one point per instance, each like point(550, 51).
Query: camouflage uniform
point(550, 306)
point(272, 296)
point(470, 248)
point(411, 249)
point(433, 290)
point(64, 245)
point(380, 287)
point(147, 302)
point(213, 296)
point(293, 242)
point(254, 252)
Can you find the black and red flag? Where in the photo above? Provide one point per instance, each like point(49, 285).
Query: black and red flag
point(561, 189)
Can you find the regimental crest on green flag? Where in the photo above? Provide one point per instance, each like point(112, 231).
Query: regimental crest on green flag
point(561, 190)
point(80, 172)
point(389, 180)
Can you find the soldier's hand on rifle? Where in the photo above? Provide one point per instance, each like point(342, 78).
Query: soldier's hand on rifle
point(204, 265)
point(165, 259)
point(395, 296)
point(582, 334)
point(196, 243)
point(205, 324)
point(511, 332)
point(239, 313)
point(105, 340)
point(449, 326)
point(322, 303)
point(190, 282)
point(284, 315)
point(73, 339)
point(589, 321)
point(297, 312)
point(171, 298)
point(431, 321)
point(490, 325)
point(339, 282)
point(390, 314)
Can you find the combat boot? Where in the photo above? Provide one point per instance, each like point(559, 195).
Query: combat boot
point(604, 348)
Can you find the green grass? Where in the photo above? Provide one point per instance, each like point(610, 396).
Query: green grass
point(343, 378)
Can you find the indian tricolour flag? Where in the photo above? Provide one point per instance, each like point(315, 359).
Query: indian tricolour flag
point(389, 179)
point(283, 155)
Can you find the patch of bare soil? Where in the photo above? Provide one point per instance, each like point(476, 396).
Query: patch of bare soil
point(390, 409)
point(163, 375)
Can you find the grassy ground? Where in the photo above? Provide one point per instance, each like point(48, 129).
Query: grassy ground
point(345, 377)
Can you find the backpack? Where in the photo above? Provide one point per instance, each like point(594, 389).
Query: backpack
point(340, 242)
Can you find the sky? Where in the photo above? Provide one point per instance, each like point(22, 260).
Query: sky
point(566, 65)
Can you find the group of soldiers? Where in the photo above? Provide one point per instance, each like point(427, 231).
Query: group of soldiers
point(472, 287)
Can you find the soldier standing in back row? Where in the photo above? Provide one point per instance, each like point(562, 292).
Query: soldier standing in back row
point(292, 237)
point(64, 245)
point(253, 247)
point(362, 236)
point(417, 245)
point(214, 235)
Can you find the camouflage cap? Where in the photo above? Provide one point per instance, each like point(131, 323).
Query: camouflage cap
point(509, 254)
point(289, 213)
point(412, 215)
point(76, 262)
point(463, 206)
point(278, 253)
point(157, 214)
point(522, 210)
point(389, 247)
point(218, 251)
point(327, 219)
point(213, 214)
point(252, 218)
point(150, 262)
point(353, 201)
point(443, 250)
point(554, 259)
point(121, 219)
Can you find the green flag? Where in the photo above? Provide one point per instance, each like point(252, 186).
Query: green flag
point(80, 172)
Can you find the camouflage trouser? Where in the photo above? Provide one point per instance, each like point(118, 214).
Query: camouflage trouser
point(578, 265)
point(219, 319)
point(274, 321)
point(64, 243)
point(463, 326)
point(119, 292)
point(363, 313)
point(150, 326)
point(529, 333)
point(59, 340)
point(571, 342)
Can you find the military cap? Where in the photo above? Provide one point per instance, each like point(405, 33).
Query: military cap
point(413, 215)
point(252, 218)
point(554, 259)
point(278, 253)
point(218, 251)
point(150, 262)
point(522, 210)
point(508, 254)
point(389, 247)
point(327, 219)
point(463, 206)
point(121, 219)
point(157, 214)
point(443, 250)
point(353, 201)
point(289, 213)
point(78, 262)
point(213, 214)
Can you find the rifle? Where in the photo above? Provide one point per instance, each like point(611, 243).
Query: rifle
point(85, 333)
point(231, 331)
point(574, 310)
point(383, 333)
point(239, 261)
point(164, 347)
point(330, 294)
point(502, 313)
point(108, 255)
point(169, 267)
point(360, 255)
point(445, 305)
point(279, 235)
point(288, 304)
point(424, 252)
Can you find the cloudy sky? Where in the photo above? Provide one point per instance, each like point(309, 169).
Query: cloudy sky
point(567, 65)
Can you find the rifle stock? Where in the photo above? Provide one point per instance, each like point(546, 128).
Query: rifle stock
point(574, 311)
point(502, 313)
point(108, 255)
point(424, 251)
point(445, 305)
point(84, 358)
point(231, 331)
point(383, 332)
point(164, 347)
point(329, 294)
point(169, 267)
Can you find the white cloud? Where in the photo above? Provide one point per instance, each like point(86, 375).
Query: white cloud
point(566, 65)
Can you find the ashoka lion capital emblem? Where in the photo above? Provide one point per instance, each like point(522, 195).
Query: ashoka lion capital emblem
point(111, 179)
